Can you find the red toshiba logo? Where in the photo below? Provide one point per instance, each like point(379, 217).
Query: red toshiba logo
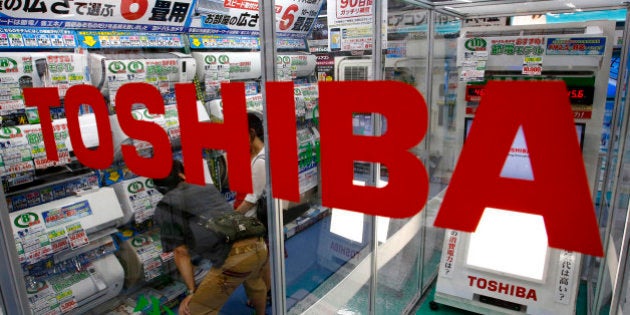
point(559, 191)
point(503, 288)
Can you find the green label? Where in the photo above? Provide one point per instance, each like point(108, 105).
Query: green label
point(135, 187)
point(210, 59)
point(10, 132)
point(476, 44)
point(117, 67)
point(8, 65)
point(140, 241)
point(136, 67)
point(149, 183)
point(25, 220)
point(224, 59)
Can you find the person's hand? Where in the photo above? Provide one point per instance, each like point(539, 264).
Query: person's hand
point(183, 306)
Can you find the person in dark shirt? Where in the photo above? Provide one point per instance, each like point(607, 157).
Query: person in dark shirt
point(232, 264)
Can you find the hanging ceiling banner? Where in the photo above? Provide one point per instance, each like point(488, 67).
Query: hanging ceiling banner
point(417, 21)
point(137, 15)
point(294, 19)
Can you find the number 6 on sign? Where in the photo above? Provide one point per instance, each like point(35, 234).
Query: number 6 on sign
point(288, 17)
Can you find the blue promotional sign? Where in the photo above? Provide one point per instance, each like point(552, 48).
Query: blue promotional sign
point(294, 19)
point(291, 43)
point(203, 41)
point(25, 37)
point(576, 46)
point(199, 41)
point(75, 211)
point(104, 39)
point(158, 15)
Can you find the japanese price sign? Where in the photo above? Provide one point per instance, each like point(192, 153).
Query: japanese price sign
point(25, 37)
point(15, 155)
point(576, 46)
point(348, 12)
point(223, 41)
point(532, 65)
point(240, 17)
point(77, 235)
point(520, 46)
point(296, 18)
point(475, 59)
point(36, 142)
point(143, 15)
point(350, 25)
point(126, 39)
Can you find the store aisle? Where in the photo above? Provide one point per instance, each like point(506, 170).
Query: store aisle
point(424, 307)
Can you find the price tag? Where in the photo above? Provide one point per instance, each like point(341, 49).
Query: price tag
point(68, 305)
point(58, 239)
point(77, 235)
point(532, 65)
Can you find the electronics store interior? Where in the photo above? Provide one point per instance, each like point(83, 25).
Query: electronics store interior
point(409, 222)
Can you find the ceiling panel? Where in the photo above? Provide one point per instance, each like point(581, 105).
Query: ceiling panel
point(518, 7)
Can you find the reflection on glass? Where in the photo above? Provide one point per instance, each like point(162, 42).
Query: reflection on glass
point(348, 224)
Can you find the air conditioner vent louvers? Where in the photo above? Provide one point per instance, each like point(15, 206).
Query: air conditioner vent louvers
point(355, 73)
point(494, 33)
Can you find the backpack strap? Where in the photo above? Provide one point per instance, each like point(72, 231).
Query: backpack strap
point(261, 156)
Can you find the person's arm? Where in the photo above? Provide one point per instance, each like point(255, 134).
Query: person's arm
point(259, 178)
point(171, 231)
point(184, 266)
point(171, 225)
point(245, 206)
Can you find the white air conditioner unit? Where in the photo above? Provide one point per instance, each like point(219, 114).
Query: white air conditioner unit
point(163, 70)
point(353, 69)
point(169, 122)
point(221, 66)
point(302, 64)
point(94, 210)
point(79, 291)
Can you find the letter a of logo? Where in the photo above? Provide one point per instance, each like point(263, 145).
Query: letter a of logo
point(559, 191)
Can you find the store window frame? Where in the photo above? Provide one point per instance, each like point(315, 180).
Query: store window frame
point(12, 283)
